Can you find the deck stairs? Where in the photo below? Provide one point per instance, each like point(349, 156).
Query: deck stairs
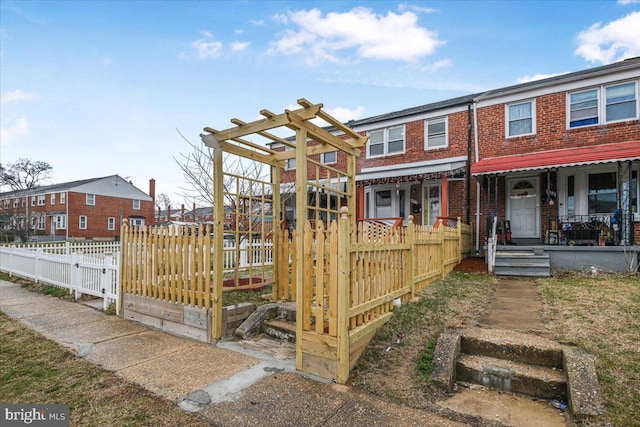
point(522, 261)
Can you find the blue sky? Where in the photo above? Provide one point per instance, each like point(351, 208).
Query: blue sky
point(98, 88)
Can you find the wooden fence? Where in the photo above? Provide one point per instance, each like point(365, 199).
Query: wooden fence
point(354, 278)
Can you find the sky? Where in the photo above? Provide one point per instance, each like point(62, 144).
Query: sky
point(97, 88)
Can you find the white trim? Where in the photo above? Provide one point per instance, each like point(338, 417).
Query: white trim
point(385, 142)
point(430, 166)
point(601, 101)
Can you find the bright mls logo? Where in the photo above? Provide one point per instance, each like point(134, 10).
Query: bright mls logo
point(36, 415)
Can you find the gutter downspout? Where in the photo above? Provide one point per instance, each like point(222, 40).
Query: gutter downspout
point(468, 177)
point(477, 158)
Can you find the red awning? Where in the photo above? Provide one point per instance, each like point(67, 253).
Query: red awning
point(605, 153)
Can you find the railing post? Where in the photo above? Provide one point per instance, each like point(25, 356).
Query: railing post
point(343, 297)
point(411, 240)
point(459, 231)
point(36, 272)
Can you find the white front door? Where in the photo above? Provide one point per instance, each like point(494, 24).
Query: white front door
point(523, 209)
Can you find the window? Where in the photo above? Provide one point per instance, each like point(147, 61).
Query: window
point(291, 163)
point(136, 222)
point(53, 198)
point(602, 192)
point(386, 141)
point(432, 204)
point(583, 108)
point(620, 102)
point(33, 200)
point(6, 203)
point(111, 223)
point(60, 222)
point(41, 200)
point(83, 222)
point(521, 119)
point(16, 203)
point(41, 222)
point(571, 195)
point(437, 133)
point(136, 204)
point(91, 199)
point(63, 198)
point(330, 157)
point(383, 204)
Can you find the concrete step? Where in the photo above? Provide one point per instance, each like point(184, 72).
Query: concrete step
point(513, 346)
point(523, 264)
point(513, 377)
point(522, 272)
point(280, 329)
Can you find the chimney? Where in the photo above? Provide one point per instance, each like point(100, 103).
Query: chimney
point(182, 213)
point(152, 190)
point(194, 211)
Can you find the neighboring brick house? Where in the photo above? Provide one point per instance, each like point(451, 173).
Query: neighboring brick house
point(79, 210)
point(419, 161)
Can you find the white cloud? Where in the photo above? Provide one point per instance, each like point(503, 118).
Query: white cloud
point(432, 68)
point(614, 41)
point(207, 49)
point(359, 32)
point(239, 46)
point(628, 1)
point(257, 22)
point(15, 131)
point(345, 114)
point(15, 96)
point(415, 8)
point(537, 76)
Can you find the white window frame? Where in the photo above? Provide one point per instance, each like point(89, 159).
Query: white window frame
point(601, 103)
point(385, 142)
point(507, 118)
point(136, 204)
point(63, 198)
point(91, 199)
point(329, 162)
point(42, 222)
point(42, 200)
point(53, 198)
point(426, 132)
point(111, 223)
point(33, 200)
point(136, 222)
point(82, 222)
point(16, 203)
point(60, 222)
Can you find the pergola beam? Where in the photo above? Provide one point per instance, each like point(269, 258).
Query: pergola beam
point(267, 123)
point(319, 134)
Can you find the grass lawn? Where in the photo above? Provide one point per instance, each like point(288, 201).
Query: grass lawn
point(34, 369)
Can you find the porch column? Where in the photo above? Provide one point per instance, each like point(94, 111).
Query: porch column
point(445, 197)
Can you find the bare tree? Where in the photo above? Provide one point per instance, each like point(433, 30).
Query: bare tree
point(24, 174)
point(163, 201)
point(241, 176)
point(21, 176)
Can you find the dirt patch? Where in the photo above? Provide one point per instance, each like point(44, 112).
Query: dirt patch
point(474, 264)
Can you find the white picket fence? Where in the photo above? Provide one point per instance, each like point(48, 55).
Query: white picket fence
point(90, 269)
point(246, 254)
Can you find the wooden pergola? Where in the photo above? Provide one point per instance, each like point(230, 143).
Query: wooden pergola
point(311, 175)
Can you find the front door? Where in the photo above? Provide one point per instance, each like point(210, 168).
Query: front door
point(523, 207)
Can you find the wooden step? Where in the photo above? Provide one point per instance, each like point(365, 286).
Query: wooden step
point(513, 377)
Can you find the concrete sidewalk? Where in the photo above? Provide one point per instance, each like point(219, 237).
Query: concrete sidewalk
point(230, 384)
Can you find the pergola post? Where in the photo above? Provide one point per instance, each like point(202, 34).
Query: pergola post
point(301, 219)
point(218, 235)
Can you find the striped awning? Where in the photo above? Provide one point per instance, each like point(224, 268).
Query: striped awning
point(578, 156)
